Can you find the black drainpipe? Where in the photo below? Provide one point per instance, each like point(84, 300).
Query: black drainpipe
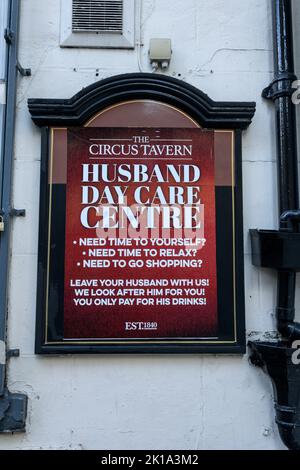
point(13, 406)
point(280, 249)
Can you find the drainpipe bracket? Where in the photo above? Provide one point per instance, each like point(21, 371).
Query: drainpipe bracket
point(286, 416)
point(9, 36)
point(13, 353)
point(290, 217)
point(13, 212)
point(280, 86)
point(23, 71)
point(13, 411)
point(17, 212)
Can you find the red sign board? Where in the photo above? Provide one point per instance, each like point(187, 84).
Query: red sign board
point(141, 244)
point(140, 235)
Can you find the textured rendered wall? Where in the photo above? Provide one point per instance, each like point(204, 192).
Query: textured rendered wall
point(223, 47)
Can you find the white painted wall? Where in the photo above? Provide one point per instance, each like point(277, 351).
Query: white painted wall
point(223, 47)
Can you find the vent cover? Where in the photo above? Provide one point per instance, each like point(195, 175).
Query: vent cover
point(97, 16)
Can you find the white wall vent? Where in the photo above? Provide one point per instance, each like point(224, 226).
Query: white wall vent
point(98, 16)
point(97, 23)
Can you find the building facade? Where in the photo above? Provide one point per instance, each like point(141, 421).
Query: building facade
point(224, 49)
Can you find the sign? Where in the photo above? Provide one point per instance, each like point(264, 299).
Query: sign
point(140, 226)
point(138, 242)
point(140, 235)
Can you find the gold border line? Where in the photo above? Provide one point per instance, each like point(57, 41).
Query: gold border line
point(233, 231)
point(50, 169)
point(124, 342)
point(117, 105)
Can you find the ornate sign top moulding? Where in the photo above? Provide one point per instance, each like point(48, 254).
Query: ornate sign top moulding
point(76, 111)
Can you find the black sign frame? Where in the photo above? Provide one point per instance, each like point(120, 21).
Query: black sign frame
point(210, 115)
